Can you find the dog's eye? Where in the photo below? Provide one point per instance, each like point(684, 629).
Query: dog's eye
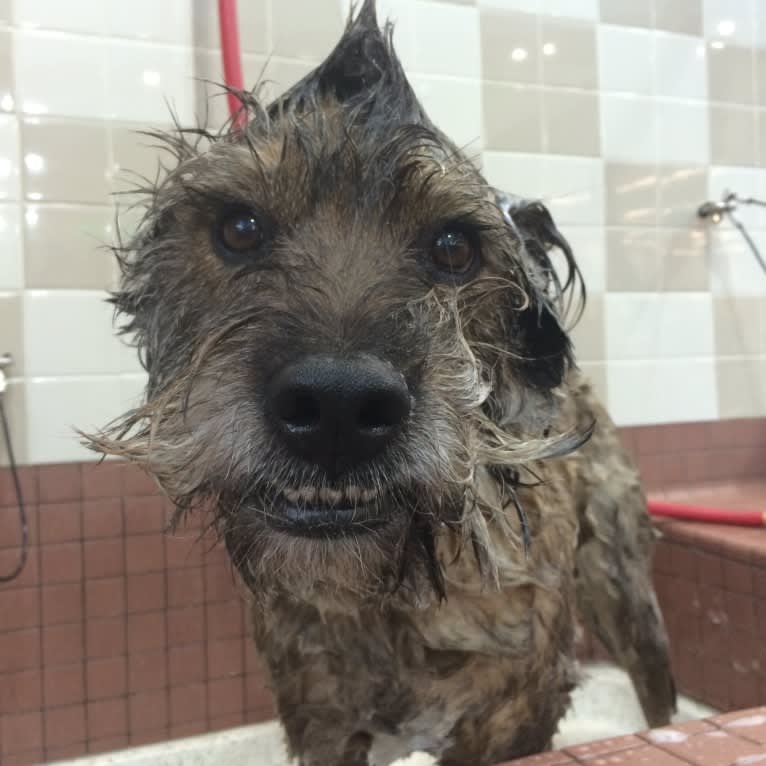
point(238, 233)
point(454, 252)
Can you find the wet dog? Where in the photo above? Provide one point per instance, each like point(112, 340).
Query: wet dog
point(358, 358)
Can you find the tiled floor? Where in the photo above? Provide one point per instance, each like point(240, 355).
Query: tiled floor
point(735, 739)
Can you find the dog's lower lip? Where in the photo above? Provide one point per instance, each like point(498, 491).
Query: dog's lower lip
point(308, 520)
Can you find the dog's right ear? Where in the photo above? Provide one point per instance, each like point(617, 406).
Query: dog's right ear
point(546, 347)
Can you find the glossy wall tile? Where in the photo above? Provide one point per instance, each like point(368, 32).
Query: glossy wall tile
point(621, 116)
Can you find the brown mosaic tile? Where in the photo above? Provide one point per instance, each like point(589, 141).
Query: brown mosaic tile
point(102, 480)
point(602, 747)
point(61, 603)
point(146, 592)
point(148, 671)
point(19, 650)
point(148, 711)
point(27, 758)
point(65, 751)
point(107, 678)
point(102, 518)
point(186, 625)
point(106, 637)
point(65, 726)
point(104, 558)
point(21, 692)
point(144, 514)
point(60, 563)
point(144, 553)
point(28, 476)
point(108, 744)
point(187, 664)
point(20, 733)
point(107, 718)
point(185, 587)
point(139, 738)
point(225, 696)
point(63, 644)
point(225, 657)
point(19, 608)
point(59, 522)
point(105, 597)
point(60, 483)
point(188, 704)
point(64, 684)
point(146, 630)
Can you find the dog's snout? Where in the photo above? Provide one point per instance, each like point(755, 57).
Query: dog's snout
point(338, 412)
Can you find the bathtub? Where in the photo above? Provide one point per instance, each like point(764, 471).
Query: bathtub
point(604, 705)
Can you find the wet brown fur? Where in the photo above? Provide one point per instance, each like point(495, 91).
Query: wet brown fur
point(440, 631)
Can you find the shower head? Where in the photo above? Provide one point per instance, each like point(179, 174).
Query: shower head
point(716, 210)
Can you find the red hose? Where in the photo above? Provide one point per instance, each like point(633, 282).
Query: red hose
point(232, 61)
point(708, 515)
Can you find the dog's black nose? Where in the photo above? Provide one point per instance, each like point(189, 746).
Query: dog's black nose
point(338, 412)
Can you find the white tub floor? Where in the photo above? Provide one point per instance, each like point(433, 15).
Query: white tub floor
point(603, 706)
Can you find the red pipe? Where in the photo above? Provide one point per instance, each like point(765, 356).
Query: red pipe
point(707, 515)
point(232, 61)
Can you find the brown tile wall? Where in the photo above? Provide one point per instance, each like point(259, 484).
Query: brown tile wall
point(117, 635)
point(690, 453)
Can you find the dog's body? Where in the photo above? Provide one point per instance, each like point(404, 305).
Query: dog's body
point(358, 359)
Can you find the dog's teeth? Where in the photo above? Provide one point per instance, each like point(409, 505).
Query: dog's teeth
point(353, 494)
point(292, 496)
point(368, 495)
point(308, 494)
point(330, 496)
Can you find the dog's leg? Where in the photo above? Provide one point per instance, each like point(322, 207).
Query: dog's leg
point(616, 597)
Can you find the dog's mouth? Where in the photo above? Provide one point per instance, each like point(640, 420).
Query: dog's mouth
point(328, 513)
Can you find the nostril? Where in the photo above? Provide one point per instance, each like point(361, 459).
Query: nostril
point(383, 411)
point(299, 410)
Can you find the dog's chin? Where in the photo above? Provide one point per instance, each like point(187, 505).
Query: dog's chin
point(327, 514)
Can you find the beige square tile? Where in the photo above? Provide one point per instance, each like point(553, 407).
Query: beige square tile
point(6, 71)
point(15, 406)
point(760, 76)
point(730, 74)
point(12, 336)
point(134, 156)
point(740, 326)
point(631, 194)
point(683, 257)
point(569, 53)
point(210, 103)
point(680, 190)
point(305, 30)
point(282, 74)
point(629, 13)
point(65, 247)
point(509, 45)
point(571, 122)
point(6, 11)
point(512, 118)
point(595, 372)
point(741, 393)
point(588, 334)
point(733, 136)
point(252, 19)
point(64, 161)
point(632, 260)
point(681, 16)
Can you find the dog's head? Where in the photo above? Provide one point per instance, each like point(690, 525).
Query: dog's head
point(342, 331)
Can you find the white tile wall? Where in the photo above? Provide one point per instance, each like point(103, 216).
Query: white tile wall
point(662, 391)
point(448, 39)
point(629, 128)
point(119, 60)
point(681, 67)
point(51, 89)
point(11, 256)
point(626, 60)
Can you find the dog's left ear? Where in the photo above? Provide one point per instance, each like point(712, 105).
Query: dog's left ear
point(547, 349)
